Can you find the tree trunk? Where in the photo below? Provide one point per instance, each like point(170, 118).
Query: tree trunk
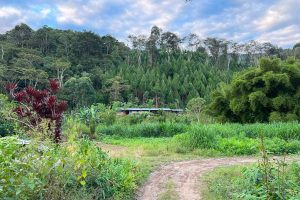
point(2, 53)
point(150, 60)
point(57, 133)
point(139, 59)
point(190, 56)
point(228, 63)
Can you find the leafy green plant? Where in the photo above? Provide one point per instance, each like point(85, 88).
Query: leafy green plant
point(7, 126)
point(94, 115)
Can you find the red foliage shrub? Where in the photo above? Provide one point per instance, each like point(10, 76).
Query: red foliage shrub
point(37, 104)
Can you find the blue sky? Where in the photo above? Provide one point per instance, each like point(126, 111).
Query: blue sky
point(276, 21)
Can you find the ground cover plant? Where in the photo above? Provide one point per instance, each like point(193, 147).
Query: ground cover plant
point(73, 170)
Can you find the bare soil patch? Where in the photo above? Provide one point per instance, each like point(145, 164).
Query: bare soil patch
point(186, 177)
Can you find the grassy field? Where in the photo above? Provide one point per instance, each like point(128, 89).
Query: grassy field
point(212, 139)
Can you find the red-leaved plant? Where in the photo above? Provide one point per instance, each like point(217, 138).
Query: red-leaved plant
point(35, 105)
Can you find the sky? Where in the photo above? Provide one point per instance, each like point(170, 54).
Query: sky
point(275, 21)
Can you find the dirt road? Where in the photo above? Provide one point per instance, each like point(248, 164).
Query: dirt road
point(186, 177)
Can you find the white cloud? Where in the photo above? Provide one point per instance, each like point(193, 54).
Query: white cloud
point(280, 23)
point(283, 13)
point(45, 12)
point(79, 12)
point(232, 23)
point(276, 21)
point(283, 37)
point(9, 17)
point(6, 12)
point(69, 14)
point(141, 15)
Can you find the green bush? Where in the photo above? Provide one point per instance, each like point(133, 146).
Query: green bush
point(202, 137)
point(77, 170)
point(6, 128)
point(235, 146)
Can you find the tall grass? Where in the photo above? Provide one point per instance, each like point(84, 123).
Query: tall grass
point(143, 130)
point(227, 139)
point(241, 139)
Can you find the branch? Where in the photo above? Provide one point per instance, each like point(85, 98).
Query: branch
point(22, 122)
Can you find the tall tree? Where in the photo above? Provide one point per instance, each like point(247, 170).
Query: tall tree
point(20, 35)
point(138, 43)
point(169, 43)
point(115, 86)
point(216, 47)
point(196, 107)
point(79, 92)
point(152, 45)
point(193, 42)
point(61, 65)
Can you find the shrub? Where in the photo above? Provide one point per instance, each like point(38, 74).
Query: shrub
point(199, 137)
point(235, 146)
point(6, 128)
point(94, 115)
point(35, 105)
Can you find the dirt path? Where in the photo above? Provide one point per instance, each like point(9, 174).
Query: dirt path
point(186, 177)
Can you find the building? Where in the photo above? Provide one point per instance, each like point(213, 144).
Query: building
point(128, 111)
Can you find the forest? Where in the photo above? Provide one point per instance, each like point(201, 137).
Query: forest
point(62, 135)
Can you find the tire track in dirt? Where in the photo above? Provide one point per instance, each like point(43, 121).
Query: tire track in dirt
point(186, 176)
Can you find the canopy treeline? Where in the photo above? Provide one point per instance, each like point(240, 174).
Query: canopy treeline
point(161, 68)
